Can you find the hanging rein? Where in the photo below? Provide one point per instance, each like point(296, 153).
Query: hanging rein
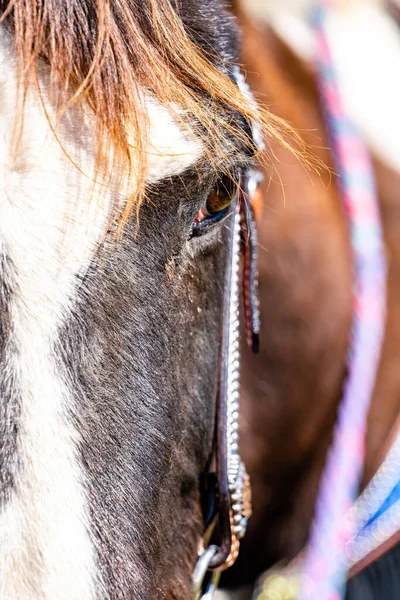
point(334, 525)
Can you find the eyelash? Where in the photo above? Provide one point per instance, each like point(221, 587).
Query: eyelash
point(217, 205)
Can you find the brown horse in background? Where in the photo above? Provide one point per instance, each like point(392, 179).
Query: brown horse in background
point(292, 389)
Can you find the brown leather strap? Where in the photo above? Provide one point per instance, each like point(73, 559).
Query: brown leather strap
point(223, 537)
point(250, 276)
point(226, 528)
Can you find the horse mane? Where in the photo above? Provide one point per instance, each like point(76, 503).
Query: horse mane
point(107, 52)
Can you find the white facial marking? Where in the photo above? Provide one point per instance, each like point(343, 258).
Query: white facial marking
point(170, 151)
point(51, 222)
point(365, 45)
point(48, 229)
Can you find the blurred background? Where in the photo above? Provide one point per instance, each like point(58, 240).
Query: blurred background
point(292, 389)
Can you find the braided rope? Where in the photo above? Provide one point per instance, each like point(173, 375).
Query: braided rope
point(325, 568)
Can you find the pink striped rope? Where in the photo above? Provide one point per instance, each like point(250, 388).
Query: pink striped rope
point(324, 568)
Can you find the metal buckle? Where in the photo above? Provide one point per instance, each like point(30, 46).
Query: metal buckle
point(202, 590)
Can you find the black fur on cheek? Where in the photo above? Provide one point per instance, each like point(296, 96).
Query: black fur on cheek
point(142, 350)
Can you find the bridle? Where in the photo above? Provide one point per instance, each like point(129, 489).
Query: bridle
point(229, 507)
point(227, 491)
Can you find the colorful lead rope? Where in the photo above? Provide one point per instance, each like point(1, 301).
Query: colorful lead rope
point(324, 574)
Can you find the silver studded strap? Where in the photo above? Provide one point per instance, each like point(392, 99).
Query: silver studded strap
point(234, 496)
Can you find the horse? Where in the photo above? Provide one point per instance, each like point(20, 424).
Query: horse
point(292, 389)
point(122, 121)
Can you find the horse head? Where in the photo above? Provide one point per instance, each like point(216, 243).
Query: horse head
point(119, 121)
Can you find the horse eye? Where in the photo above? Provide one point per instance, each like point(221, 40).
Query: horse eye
point(216, 207)
point(221, 195)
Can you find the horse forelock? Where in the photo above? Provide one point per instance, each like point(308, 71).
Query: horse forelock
point(114, 56)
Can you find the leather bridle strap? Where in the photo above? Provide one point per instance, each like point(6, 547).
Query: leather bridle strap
point(233, 502)
point(233, 495)
point(228, 394)
point(250, 275)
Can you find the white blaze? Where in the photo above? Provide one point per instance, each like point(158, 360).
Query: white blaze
point(49, 229)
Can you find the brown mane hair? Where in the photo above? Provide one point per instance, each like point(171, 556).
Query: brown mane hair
point(106, 52)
